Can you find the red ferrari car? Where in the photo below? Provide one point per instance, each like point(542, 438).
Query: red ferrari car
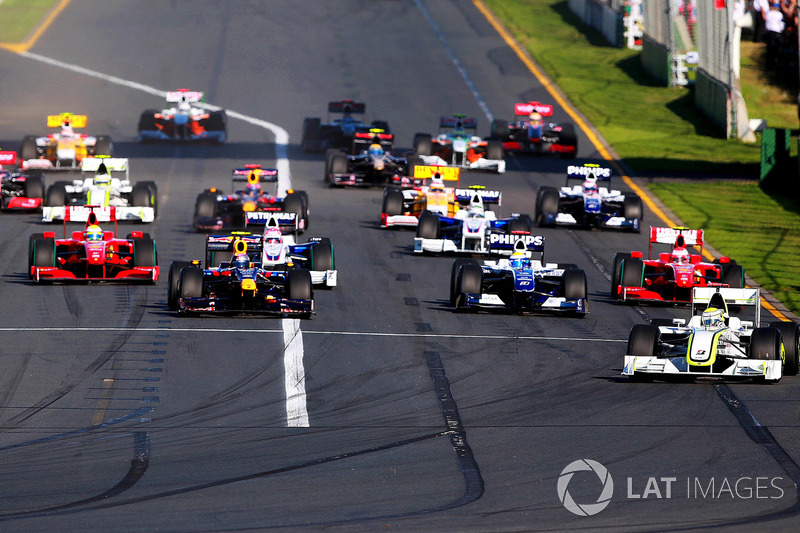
point(670, 276)
point(92, 254)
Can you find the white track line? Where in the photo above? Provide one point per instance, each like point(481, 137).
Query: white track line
point(294, 373)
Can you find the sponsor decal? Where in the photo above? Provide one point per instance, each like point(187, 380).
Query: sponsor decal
point(600, 172)
point(531, 241)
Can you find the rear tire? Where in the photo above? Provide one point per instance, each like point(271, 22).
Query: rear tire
point(392, 202)
point(575, 284)
point(322, 255)
point(423, 144)
point(546, 204)
point(147, 120)
point(310, 134)
point(205, 206)
point(144, 253)
point(141, 195)
point(494, 150)
point(632, 208)
point(499, 129)
point(632, 272)
point(734, 276)
point(28, 149)
point(34, 186)
point(56, 194)
point(293, 203)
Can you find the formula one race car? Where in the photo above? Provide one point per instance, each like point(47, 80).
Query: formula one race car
point(522, 283)
point(454, 145)
point(403, 206)
point(589, 205)
point(93, 254)
point(183, 121)
point(250, 205)
point(19, 191)
point(346, 132)
point(534, 135)
point(671, 276)
point(372, 166)
point(235, 281)
point(64, 150)
point(473, 230)
point(714, 342)
point(104, 182)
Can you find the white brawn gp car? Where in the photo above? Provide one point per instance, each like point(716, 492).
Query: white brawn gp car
point(104, 183)
point(714, 342)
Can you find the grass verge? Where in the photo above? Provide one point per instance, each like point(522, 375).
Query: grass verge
point(20, 18)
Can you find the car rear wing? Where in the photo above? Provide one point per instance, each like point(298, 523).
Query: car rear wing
point(703, 297)
point(347, 107)
point(464, 196)
point(691, 237)
point(8, 157)
point(589, 170)
point(112, 164)
point(67, 119)
point(264, 175)
point(429, 171)
point(184, 95)
point(285, 221)
point(526, 108)
point(221, 247)
point(362, 139)
point(458, 122)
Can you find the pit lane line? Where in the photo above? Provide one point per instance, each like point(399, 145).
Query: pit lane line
point(293, 370)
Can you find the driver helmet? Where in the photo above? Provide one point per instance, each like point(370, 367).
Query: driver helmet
point(535, 117)
point(241, 261)
point(680, 256)
point(519, 260)
point(376, 150)
point(437, 184)
point(476, 209)
point(712, 318)
point(590, 187)
point(273, 236)
point(93, 233)
point(102, 177)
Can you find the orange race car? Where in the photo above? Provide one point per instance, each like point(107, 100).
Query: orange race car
point(65, 149)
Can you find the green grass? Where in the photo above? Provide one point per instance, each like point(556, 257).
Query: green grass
point(20, 18)
point(658, 129)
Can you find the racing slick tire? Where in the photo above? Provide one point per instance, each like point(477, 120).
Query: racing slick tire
point(293, 203)
point(190, 282)
point(28, 149)
point(142, 195)
point(642, 341)
point(457, 264)
point(173, 279)
point(423, 144)
point(336, 163)
point(103, 146)
point(632, 208)
point(34, 186)
point(468, 281)
point(546, 204)
point(44, 252)
point(144, 253)
point(310, 138)
point(519, 225)
point(616, 272)
point(790, 334)
point(428, 226)
point(217, 121)
point(570, 138)
point(153, 194)
point(632, 272)
point(499, 129)
point(765, 345)
point(413, 161)
point(494, 149)
point(733, 275)
point(205, 205)
point(57, 194)
point(31, 240)
point(298, 284)
point(321, 255)
point(575, 283)
point(392, 202)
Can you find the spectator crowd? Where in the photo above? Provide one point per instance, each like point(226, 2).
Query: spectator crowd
point(775, 22)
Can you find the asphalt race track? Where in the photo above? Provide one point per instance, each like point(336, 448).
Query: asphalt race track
point(386, 410)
